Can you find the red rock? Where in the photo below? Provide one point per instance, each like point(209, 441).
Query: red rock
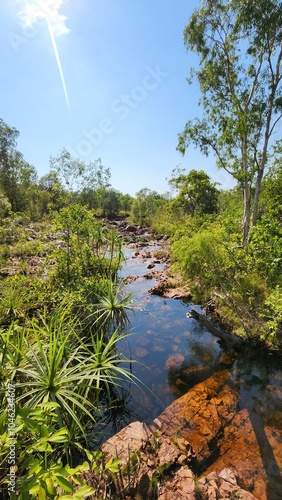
point(174, 360)
point(141, 352)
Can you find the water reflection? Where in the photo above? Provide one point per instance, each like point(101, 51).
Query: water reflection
point(174, 353)
point(259, 381)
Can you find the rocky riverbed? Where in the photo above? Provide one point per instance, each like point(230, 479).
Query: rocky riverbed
point(204, 447)
point(211, 443)
point(223, 437)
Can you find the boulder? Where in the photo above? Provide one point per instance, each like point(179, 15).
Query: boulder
point(203, 446)
point(132, 438)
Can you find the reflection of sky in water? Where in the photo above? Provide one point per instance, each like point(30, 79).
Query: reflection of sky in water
point(171, 347)
point(136, 266)
point(173, 353)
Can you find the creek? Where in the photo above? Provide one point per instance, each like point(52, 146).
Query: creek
point(172, 353)
point(227, 406)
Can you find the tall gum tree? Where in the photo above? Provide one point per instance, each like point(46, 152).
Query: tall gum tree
point(239, 44)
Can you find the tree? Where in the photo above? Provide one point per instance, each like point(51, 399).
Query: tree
point(77, 175)
point(5, 206)
point(51, 195)
point(16, 175)
point(126, 202)
point(271, 199)
point(239, 43)
point(111, 203)
point(197, 194)
point(145, 205)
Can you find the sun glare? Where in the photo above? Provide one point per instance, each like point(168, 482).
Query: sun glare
point(32, 12)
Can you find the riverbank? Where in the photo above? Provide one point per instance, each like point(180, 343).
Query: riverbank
point(212, 421)
point(213, 442)
point(202, 447)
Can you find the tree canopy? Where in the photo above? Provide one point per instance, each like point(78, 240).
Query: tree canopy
point(197, 194)
point(239, 44)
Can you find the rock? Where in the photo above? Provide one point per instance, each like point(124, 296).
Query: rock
point(135, 255)
point(131, 439)
point(177, 293)
point(145, 254)
point(130, 229)
point(181, 485)
point(174, 361)
point(203, 433)
point(223, 485)
point(129, 279)
point(141, 352)
point(240, 445)
point(168, 453)
point(162, 289)
point(151, 265)
point(199, 414)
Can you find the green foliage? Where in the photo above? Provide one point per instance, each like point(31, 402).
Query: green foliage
point(39, 474)
point(145, 205)
point(272, 313)
point(77, 175)
point(10, 230)
point(26, 249)
point(90, 249)
point(196, 193)
point(205, 255)
point(243, 280)
point(111, 310)
point(265, 250)
point(17, 177)
point(5, 206)
point(21, 295)
point(168, 219)
point(51, 372)
point(271, 197)
point(62, 374)
point(106, 201)
point(239, 75)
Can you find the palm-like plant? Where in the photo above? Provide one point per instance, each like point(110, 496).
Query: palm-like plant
point(12, 341)
point(12, 301)
point(112, 308)
point(107, 367)
point(51, 371)
point(57, 365)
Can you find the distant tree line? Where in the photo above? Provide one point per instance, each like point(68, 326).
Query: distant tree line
point(69, 181)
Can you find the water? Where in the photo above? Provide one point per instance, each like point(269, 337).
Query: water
point(172, 353)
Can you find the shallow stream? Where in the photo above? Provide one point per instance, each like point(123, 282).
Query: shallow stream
point(172, 353)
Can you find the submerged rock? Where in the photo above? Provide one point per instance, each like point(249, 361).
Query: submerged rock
point(174, 360)
point(203, 446)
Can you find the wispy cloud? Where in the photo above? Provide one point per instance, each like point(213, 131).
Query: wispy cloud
point(34, 11)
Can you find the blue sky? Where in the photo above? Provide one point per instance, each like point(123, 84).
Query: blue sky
point(104, 79)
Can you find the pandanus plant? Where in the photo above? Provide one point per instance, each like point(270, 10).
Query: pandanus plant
point(58, 365)
point(111, 311)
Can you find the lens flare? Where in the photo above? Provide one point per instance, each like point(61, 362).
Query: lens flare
point(34, 11)
point(55, 48)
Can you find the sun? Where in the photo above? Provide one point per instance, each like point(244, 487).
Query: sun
point(33, 12)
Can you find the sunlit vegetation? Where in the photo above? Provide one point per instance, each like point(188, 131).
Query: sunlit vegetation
point(62, 315)
point(243, 282)
point(62, 308)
